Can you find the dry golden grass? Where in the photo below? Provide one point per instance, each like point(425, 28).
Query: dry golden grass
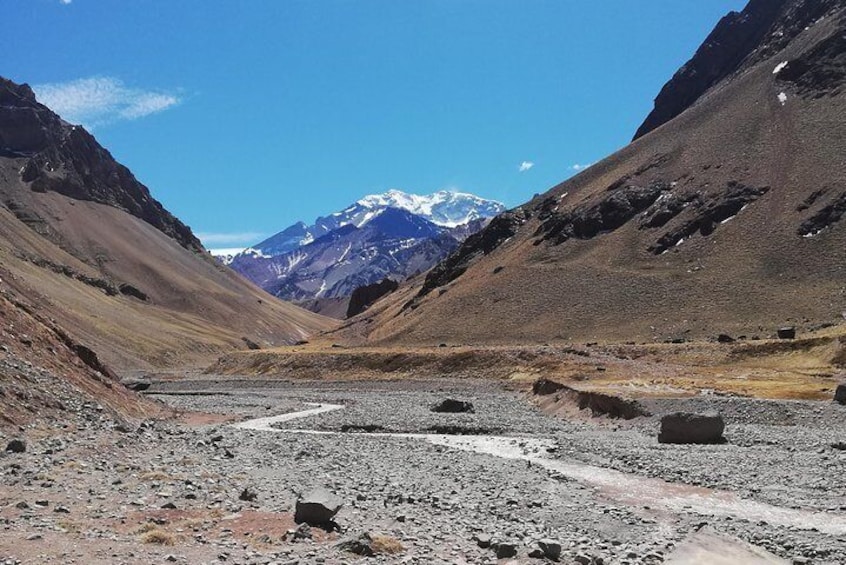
point(159, 476)
point(386, 545)
point(158, 536)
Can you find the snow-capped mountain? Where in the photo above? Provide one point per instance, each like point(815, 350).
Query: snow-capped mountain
point(442, 208)
point(392, 235)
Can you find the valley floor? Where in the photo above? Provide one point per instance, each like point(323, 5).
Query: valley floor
point(442, 485)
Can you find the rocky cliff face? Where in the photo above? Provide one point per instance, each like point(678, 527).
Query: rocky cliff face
point(63, 158)
point(739, 40)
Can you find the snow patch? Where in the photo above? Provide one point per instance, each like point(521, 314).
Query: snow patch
point(782, 97)
point(779, 67)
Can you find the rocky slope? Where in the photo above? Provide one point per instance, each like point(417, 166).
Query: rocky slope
point(392, 235)
point(93, 252)
point(726, 218)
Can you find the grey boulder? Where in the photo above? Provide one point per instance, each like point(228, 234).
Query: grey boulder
point(686, 427)
point(317, 507)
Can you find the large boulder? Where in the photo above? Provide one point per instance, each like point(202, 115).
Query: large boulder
point(317, 507)
point(453, 406)
point(840, 393)
point(138, 384)
point(686, 427)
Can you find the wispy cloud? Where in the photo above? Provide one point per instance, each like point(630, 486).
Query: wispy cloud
point(577, 167)
point(230, 239)
point(65, 2)
point(525, 166)
point(97, 101)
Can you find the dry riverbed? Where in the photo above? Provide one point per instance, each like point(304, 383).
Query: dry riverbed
point(440, 487)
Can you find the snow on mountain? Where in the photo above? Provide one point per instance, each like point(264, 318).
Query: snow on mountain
point(391, 235)
point(442, 208)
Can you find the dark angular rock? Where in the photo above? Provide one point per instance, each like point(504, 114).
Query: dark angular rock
point(725, 338)
point(787, 332)
point(840, 393)
point(317, 507)
point(451, 405)
point(505, 549)
point(16, 446)
point(685, 427)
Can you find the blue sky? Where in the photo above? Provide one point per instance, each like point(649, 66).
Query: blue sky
point(243, 117)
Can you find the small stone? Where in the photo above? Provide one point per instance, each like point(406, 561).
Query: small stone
point(248, 495)
point(505, 549)
point(33, 537)
point(483, 541)
point(16, 446)
point(551, 549)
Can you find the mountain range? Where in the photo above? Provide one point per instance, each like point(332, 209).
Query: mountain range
point(392, 235)
point(724, 215)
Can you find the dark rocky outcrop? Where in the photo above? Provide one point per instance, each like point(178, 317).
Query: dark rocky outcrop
point(707, 211)
point(453, 406)
point(499, 230)
point(820, 71)
point(64, 158)
point(829, 214)
point(364, 296)
point(840, 394)
point(611, 211)
point(685, 427)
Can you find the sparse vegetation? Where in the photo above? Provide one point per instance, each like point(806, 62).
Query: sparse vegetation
point(158, 536)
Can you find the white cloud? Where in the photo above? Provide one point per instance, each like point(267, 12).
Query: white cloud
point(65, 2)
point(98, 101)
point(577, 167)
point(236, 239)
point(525, 166)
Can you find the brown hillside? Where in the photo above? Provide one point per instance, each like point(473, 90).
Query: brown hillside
point(727, 218)
point(90, 249)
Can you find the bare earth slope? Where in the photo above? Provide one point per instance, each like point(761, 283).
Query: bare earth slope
point(724, 219)
point(89, 248)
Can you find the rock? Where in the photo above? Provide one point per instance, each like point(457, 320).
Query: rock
point(840, 393)
point(368, 545)
point(536, 553)
point(551, 549)
point(786, 332)
point(364, 296)
point(686, 427)
point(582, 559)
point(138, 384)
point(505, 549)
point(452, 405)
point(16, 446)
point(248, 495)
point(483, 541)
point(303, 532)
point(725, 338)
point(317, 508)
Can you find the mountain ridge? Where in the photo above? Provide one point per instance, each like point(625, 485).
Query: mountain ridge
point(724, 219)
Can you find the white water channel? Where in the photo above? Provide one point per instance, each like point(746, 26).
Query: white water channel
point(628, 489)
